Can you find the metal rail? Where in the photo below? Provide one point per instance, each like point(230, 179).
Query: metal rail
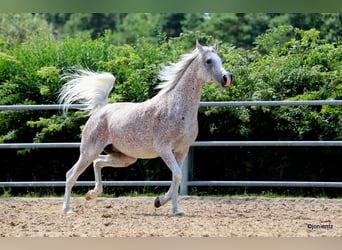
point(82, 183)
point(188, 162)
point(271, 103)
point(167, 183)
point(195, 144)
point(202, 104)
point(39, 107)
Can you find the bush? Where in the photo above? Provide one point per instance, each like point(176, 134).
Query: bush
point(285, 64)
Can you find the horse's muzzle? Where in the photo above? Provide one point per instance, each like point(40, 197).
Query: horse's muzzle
point(227, 80)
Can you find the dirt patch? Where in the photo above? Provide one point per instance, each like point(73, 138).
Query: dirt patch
point(205, 217)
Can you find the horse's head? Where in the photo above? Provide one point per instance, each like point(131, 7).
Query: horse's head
point(213, 65)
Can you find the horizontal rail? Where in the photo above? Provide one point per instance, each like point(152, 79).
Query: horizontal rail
point(40, 145)
point(188, 183)
point(40, 107)
point(195, 144)
point(266, 184)
point(271, 103)
point(82, 183)
point(202, 104)
point(267, 143)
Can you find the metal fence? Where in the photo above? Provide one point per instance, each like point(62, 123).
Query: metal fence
point(189, 160)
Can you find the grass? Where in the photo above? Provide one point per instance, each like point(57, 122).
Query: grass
point(6, 192)
point(112, 192)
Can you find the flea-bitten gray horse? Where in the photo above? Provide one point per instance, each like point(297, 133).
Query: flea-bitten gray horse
point(165, 125)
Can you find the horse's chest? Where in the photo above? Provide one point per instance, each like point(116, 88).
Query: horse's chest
point(177, 127)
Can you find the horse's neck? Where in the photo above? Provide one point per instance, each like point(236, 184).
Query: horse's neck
point(188, 90)
point(185, 95)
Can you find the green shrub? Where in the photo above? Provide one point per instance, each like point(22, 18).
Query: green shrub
point(285, 64)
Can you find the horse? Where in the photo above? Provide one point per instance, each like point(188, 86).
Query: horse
point(117, 134)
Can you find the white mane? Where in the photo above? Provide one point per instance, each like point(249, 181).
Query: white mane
point(170, 75)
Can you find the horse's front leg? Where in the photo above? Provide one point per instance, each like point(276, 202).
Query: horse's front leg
point(173, 162)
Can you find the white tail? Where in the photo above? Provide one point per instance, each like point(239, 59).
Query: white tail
point(86, 87)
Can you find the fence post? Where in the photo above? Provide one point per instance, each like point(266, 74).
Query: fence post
point(187, 166)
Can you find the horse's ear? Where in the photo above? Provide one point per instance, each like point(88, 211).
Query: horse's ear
point(215, 47)
point(199, 46)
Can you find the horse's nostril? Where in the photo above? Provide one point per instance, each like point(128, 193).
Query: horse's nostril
point(226, 80)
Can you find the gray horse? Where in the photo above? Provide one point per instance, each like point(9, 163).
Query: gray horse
point(164, 126)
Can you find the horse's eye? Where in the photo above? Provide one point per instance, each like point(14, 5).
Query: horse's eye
point(208, 61)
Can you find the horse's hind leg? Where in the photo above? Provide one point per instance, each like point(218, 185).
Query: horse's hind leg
point(114, 159)
point(87, 155)
point(71, 178)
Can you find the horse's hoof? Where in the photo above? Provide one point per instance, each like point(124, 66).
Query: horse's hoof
point(90, 195)
point(179, 213)
point(157, 202)
point(68, 211)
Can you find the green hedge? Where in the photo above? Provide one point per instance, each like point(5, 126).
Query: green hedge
point(285, 64)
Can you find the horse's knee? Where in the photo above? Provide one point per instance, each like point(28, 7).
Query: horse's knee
point(98, 162)
point(177, 176)
point(69, 173)
point(70, 180)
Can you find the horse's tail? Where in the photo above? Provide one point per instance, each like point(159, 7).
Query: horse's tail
point(86, 87)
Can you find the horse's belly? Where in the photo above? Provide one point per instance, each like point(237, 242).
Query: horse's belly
point(141, 154)
point(136, 149)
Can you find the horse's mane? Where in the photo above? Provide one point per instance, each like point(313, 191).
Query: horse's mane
point(170, 75)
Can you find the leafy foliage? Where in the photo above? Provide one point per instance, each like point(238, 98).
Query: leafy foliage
point(280, 63)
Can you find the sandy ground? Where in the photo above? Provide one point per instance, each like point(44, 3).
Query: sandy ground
point(205, 217)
